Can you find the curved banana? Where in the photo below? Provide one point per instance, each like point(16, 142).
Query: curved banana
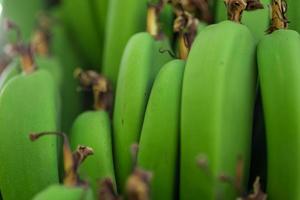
point(217, 109)
point(279, 71)
point(27, 104)
point(257, 21)
point(125, 18)
point(159, 142)
point(140, 64)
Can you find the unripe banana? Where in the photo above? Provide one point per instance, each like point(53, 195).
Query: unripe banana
point(27, 103)
point(81, 26)
point(159, 142)
point(125, 18)
point(217, 109)
point(141, 62)
point(279, 71)
point(257, 21)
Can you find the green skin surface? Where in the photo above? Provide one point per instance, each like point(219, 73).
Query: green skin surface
point(158, 147)
point(279, 71)
point(10, 72)
point(257, 21)
point(81, 27)
point(93, 129)
point(125, 18)
point(27, 104)
point(60, 192)
point(217, 109)
point(294, 14)
point(71, 98)
point(23, 13)
point(140, 64)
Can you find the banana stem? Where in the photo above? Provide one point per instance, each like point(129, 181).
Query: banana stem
point(101, 87)
point(40, 43)
point(153, 12)
point(71, 160)
point(183, 47)
point(27, 61)
point(279, 19)
point(235, 9)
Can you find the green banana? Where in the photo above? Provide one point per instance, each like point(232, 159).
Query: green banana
point(125, 18)
point(160, 140)
point(73, 188)
point(140, 63)
point(217, 109)
point(93, 128)
point(257, 21)
point(10, 71)
point(24, 13)
point(27, 103)
point(279, 71)
point(82, 28)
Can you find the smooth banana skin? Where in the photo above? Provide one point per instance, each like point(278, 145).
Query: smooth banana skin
point(125, 18)
point(293, 14)
point(27, 104)
point(93, 128)
point(60, 192)
point(9, 72)
point(81, 27)
point(140, 64)
point(159, 142)
point(217, 110)
point(257, 21)
point(23, 13)
point(279, 71)
point(167, 18)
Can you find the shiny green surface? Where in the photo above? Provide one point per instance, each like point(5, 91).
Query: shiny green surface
point(159, 142)
point(140, 64)
point(27, 104)
point(12, 70)
point(217, 109)
point(279, 72)
point(294, 14)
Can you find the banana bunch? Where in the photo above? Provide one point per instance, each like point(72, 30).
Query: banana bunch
point(278, 64)
point(217, 106)
point(28, 103)
point(93, 128)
